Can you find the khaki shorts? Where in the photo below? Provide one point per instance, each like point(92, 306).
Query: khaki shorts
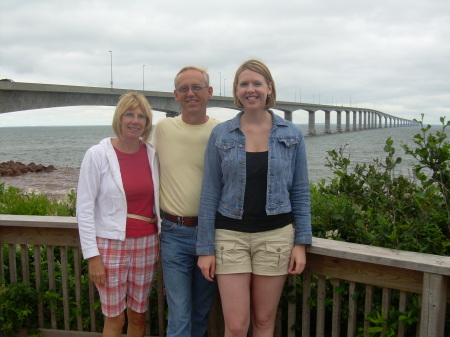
point(263, 253)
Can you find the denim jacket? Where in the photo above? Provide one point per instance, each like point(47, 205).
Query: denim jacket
point(224, 177)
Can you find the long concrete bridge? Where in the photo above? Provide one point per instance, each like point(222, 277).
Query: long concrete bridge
point(19, 96)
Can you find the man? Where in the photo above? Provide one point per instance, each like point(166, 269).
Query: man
point(180, 144)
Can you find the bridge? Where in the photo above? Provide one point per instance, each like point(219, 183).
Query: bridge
point(19, 96)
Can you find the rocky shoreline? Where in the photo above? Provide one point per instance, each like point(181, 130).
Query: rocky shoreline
point(17, 168)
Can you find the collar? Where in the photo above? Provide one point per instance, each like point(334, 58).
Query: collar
point(235, 123)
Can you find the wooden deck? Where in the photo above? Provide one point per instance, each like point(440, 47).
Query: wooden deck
point(336, 272)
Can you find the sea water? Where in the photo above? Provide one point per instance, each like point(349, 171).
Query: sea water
point(65, 146)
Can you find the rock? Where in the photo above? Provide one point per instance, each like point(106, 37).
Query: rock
point(12, 168)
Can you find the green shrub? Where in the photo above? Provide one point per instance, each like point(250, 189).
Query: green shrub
point(374, 205)
point(18, 303)
point(12, 201)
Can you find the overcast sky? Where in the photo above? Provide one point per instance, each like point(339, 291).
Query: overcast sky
point(388, 55)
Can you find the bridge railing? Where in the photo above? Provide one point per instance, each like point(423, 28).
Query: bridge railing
point(350, 276)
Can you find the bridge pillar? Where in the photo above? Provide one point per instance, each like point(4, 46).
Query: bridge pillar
point(172, 113)
point(338, 121)
point(327, 122)
point(311, 123)
point(360, 120)
point(355, 127)
point(347, 121)
point(288, 115)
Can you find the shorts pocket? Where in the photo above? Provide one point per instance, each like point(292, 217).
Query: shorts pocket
point(224, 252)
point(278, 253)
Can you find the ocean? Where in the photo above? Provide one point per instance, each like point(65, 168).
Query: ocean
point(64, 147)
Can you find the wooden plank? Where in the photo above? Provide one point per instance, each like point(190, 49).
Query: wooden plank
point(432, 318)
point(381, 256)
point(337, 300)
point(367, 273)
point(161, 300)
point(321, 296)
point(65, 286)
point(40, 236)
point(402, 304)
point(38, 273)
point(386, 304)
point(12, 263)
point(65, 333)
point(91, 305)
point(367, 308)
point(216, 324)
point(352, 310)
point(25, 264)
point(306, 308)
point(77, 275)
point(292, 307)
point(2, 265)
point(277, 328)
point(51, 282)
point(38, 221)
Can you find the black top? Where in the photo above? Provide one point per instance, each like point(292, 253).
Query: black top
point(255, 218)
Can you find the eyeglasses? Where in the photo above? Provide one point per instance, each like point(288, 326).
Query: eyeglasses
point(194, 88)
point(130, 115)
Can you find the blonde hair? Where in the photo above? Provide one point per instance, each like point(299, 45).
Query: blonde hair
point(131, 101)
point(260, 68)
point(202, 70)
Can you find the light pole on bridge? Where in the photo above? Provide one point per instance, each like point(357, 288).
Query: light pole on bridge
point(224, 86)
point(143, 66)
point(220, 83)
point(111, 70)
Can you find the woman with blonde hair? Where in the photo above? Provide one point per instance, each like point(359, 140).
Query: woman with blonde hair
point(254, 220)
point(118, 216)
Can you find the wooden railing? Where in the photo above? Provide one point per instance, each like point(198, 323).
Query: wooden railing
point(353, 277)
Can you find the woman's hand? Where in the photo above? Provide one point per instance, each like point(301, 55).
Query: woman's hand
point(297, 262)
point(207, 264)
point(97, 272)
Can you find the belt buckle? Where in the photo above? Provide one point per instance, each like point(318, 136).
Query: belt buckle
point(181, 221)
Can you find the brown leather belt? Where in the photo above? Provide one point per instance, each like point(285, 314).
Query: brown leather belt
point(190, 221)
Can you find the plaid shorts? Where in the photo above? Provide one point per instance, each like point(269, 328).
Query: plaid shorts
point(130, 267)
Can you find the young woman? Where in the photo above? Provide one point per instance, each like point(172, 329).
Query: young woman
point(254, 220)
point(118, 216)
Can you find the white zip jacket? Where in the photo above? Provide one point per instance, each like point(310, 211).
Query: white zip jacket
point(101, 200)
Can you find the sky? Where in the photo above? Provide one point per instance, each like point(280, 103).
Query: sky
point(389, 55)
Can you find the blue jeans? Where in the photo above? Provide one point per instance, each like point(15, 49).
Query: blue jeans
point(189, 294)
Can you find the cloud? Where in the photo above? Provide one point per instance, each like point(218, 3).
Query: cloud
point(388, 55)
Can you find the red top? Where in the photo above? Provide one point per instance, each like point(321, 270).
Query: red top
point(139, 190)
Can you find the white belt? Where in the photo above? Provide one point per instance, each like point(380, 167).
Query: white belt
point(140, 217)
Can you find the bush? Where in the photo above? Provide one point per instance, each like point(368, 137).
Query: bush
point(374, 205)
point(18, 304)
point(12, 201)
